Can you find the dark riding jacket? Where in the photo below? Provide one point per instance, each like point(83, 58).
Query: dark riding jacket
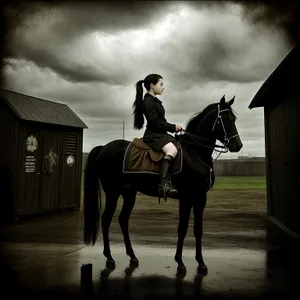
point(156, 135)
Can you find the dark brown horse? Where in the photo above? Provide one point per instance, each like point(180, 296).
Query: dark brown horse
point(104, 166)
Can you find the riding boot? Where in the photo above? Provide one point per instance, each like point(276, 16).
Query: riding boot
point(165, 188)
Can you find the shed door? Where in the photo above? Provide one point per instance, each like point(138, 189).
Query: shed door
point(30, 171)
point(71, 167)
point(51, 170)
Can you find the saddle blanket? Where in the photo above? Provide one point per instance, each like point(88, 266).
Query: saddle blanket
point(140, 158)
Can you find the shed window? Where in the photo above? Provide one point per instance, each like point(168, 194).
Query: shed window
point(71, 144)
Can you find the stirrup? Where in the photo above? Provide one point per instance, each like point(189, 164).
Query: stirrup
point(164, 193)
point(164, 198)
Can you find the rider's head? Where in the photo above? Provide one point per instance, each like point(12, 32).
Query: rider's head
point(154, 84)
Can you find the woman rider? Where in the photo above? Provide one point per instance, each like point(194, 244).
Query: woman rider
point(156, 135)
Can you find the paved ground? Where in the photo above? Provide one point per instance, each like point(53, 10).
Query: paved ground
point(246, 258)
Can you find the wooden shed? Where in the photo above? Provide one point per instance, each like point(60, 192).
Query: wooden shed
point(280, 98)
point(41, 155)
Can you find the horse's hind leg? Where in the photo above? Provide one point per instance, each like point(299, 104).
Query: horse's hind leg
point(111, 200)
point(129, 196)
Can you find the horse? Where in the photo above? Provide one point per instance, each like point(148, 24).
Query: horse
point(196, 178)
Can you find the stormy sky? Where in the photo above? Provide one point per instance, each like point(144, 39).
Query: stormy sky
point(90, 55)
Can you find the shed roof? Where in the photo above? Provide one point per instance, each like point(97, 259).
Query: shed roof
point(39, 110)
point(281, 79)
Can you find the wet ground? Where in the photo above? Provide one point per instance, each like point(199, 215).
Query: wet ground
point(246, 257)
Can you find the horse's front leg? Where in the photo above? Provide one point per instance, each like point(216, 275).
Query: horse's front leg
point(198, 209)
point(184, 216)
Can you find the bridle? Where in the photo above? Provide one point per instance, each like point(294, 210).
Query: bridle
point(226, 140)
point(219, 119)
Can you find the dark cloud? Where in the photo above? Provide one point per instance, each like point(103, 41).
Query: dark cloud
point(214, 57)
point(220, 45)
point(70, 20)
point(219, 60)
point(78, 17)
point(114, 15)
point(284, 15)
point(73, 70)
point(99, 101)
point(81, 16)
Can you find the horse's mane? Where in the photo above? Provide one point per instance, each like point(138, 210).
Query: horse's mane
point(195, 120)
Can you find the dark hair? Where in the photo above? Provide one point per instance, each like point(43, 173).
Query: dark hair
point(138, 122)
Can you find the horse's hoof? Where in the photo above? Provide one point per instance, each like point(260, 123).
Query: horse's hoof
point(181, 269)
point(202, 268)
point(134, 262)
point(180, 275)
point(110, 263)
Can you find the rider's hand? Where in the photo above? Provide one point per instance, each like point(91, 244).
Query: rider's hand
point(178, 128)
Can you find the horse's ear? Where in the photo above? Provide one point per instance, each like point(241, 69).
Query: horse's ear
point(222, 101)
point(231, 101)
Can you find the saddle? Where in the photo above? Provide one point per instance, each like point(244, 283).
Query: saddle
point(141, 158)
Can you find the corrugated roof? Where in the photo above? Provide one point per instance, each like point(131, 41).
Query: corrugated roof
point(39, 110)
point(282, 78)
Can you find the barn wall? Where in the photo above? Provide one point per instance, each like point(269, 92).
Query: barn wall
point(9, 140)
point(267, 150)
point(283, 141)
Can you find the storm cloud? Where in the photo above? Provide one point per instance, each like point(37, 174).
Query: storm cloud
point(90, 54)
point(281, 15)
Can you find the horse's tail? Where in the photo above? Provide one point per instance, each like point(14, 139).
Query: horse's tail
point(90, 198)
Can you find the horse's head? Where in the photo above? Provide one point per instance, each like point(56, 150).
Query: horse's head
point(224, 126)
point(217, 121)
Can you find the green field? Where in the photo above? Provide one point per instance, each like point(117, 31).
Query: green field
point(240, 182)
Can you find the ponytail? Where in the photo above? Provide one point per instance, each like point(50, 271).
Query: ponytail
point(138, 122)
